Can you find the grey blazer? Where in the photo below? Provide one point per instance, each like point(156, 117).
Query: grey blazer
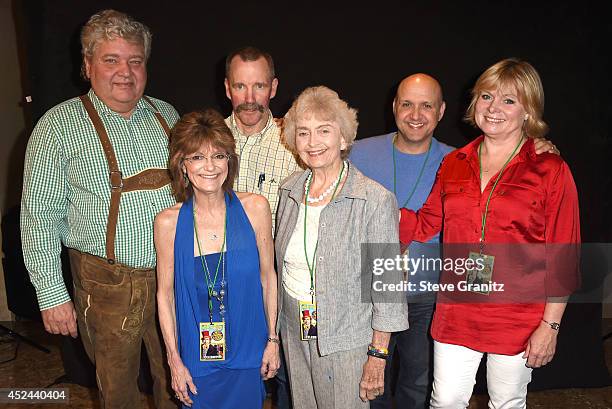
point(359, 225)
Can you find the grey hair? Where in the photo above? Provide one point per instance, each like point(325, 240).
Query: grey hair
point(110, 24)
point(325, 105)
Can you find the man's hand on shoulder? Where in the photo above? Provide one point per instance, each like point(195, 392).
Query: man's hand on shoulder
point(542, 145)
point(61, 319)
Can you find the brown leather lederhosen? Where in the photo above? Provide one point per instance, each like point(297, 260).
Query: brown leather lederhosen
point(149, 179)
point(116, 303)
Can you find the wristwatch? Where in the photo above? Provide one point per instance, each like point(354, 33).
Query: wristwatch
point(553, 325)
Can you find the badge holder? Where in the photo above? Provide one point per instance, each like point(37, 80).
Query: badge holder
point(213, 335)
point(308, 320)
point(308, 310)
point(212, 341)
point(478, 278)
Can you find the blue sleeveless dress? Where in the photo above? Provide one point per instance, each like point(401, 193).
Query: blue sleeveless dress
point(235, 382)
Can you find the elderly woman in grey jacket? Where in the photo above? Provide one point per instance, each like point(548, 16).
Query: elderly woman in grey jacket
point(333, 225)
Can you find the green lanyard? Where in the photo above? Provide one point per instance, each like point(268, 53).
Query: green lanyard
point(210, 283)
point(484, 216)
point(418, 177)
point(311, 268)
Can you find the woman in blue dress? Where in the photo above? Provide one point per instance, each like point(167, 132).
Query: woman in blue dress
point(216, 279)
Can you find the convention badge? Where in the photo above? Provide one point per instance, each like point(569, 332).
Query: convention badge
point(479, 277)
point(212, 341)
point(308, 320)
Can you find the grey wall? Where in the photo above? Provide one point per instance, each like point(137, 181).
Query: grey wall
point(12, 135)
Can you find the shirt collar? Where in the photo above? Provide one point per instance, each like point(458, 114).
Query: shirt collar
point(102, 108)
point(470, 150)
point(434, 144)
point(236, 131)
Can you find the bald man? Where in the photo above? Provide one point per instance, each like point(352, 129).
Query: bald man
point(406, 164)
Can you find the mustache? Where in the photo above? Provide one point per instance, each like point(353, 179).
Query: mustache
point(250, 106)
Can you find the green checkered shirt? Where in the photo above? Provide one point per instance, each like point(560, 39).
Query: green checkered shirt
point(263, 157)
point(66, 190)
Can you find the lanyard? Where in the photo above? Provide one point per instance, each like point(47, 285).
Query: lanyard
point(484, 216)
point(418, 177)
point(210, 283)
point(311, 268)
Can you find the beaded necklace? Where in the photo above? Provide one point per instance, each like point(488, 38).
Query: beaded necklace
point(210, 282)
point(327, 191)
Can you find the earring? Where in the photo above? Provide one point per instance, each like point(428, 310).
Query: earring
point(185, 179)
point(526, 117)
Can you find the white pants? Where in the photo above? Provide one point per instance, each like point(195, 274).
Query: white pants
point(455, 375)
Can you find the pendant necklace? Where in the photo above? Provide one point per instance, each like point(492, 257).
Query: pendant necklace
point(210, 281)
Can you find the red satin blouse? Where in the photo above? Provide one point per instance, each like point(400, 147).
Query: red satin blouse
point(534, 202)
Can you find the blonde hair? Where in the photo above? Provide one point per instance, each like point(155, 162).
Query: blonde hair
point(109, 24)
point(522, 76)
point(325, 105)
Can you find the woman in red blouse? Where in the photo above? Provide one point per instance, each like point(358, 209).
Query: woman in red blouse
point(516, 216)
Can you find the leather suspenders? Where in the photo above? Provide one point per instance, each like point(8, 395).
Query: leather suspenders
point(149, 179)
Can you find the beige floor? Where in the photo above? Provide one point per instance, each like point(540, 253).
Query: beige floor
point(34, 368)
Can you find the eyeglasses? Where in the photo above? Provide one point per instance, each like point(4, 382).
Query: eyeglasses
point(216, 159)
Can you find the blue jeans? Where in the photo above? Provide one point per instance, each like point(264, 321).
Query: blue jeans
point(413, 350)
point(281, 396)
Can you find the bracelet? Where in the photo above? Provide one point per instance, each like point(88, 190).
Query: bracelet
point(274, 340)
point(553, 325)
point(377, 354)
point(381, 350)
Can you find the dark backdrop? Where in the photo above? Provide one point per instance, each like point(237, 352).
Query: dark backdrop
point(362, 52)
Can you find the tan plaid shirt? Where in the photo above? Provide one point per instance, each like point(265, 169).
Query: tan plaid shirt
point(264, 161)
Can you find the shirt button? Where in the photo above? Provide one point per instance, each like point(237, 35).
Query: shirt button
point(320, 258)
point(323, 225)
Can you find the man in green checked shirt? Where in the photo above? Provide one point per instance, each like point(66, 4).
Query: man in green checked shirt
point(95, 177)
